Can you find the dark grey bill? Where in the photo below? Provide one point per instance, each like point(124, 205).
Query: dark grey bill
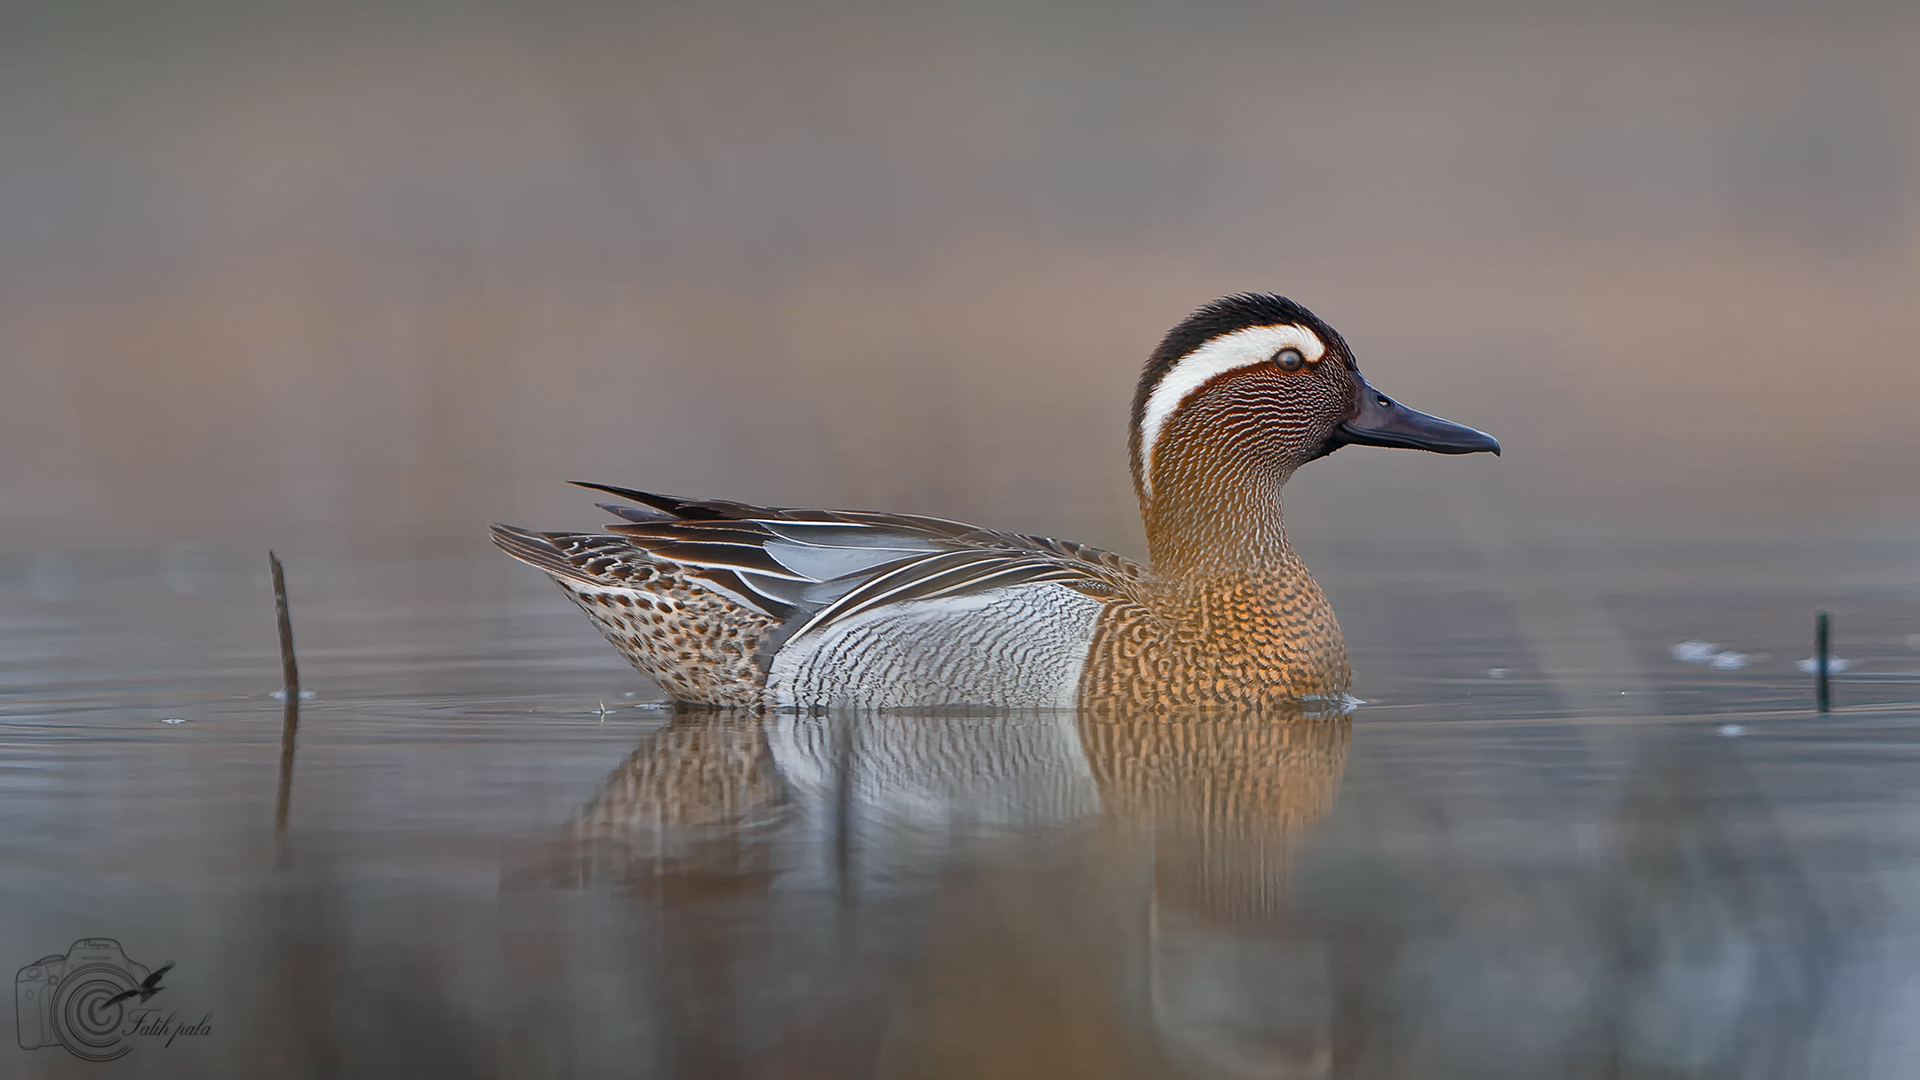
point(1378, 420)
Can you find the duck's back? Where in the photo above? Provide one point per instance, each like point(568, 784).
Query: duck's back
point(730, 605)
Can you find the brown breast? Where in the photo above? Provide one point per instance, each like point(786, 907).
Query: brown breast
point(1249, 637)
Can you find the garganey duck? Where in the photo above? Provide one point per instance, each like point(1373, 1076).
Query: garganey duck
point(737, 606)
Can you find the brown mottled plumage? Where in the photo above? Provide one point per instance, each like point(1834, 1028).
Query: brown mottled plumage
point(693, 641)
point(732, 605)
point(1255, 638)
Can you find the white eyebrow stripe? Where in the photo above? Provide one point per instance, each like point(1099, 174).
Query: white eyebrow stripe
point(1228, 352)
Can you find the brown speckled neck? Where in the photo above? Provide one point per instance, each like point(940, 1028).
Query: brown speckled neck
point(1232, 616)
point(1214, 507)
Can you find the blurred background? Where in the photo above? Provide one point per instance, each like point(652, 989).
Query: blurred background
point(352, 280)
point(359, 278)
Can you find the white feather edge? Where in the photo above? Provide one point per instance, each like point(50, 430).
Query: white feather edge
point(1228, 352)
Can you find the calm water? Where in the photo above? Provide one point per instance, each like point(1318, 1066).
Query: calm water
point(1545, 847)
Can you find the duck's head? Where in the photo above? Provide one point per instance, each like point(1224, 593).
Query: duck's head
point(1245, 391)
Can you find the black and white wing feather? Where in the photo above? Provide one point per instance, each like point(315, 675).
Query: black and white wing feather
point(809, 568)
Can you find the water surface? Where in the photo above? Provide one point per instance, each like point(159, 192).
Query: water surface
point(1544, 847)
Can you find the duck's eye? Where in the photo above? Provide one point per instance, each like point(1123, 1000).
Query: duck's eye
point(1290, 359)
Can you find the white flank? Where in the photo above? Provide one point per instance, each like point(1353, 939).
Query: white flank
point(1023, 647)
point(1228, 352)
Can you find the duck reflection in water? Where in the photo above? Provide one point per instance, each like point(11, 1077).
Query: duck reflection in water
point(1041, 893)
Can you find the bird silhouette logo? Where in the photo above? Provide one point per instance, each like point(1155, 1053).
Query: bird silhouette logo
point(147, 988)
